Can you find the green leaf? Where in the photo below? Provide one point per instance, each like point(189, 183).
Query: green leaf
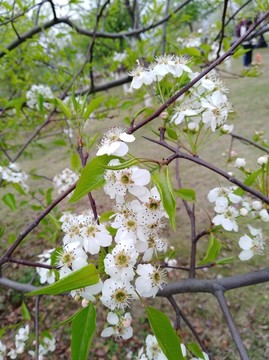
point(78, 279)
point(10, 201)
point(25, 312)
point(106, 216)
point(123, 165)
point(75, 161)
point(163, 183)
point(18, 188)
point(191, 51)
point(171, 133)
point(93, 105)
point(186, 194)
point(60, 142)
point(195, 350)
point(249, 181)
point(213, 249)
point(83, 328)
point(64, 322)
point(65, 109)
point(225, 261)
point(165, 334)
point(2, 231)
point(92, 176)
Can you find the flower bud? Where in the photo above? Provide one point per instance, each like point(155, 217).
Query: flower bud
point(164, 115)
point(243, 211)
point(262, 160)
point(257, 205)
point(240, 163)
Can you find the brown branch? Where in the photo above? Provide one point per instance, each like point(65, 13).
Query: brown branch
point(222, 26)
point(39, 28)
point(233, 330)
point(250, 142)
point(5, 258)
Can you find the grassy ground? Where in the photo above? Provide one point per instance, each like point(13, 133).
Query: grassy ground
point(248, 306)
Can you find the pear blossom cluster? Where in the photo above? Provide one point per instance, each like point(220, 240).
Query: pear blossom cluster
point(46, 345)
point(64, 180)
point(39, 93)
point(131, 265)
point(205, 104)
point(13, 174)
point(230, 208)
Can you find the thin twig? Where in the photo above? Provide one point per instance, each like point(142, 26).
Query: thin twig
point(233, 330)
point(248, 141)
point(5, 258)
point(180, 314)
point(222, 26)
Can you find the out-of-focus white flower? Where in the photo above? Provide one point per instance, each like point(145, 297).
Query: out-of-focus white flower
point(64, 180)
point(13, 174)
point(262, 160)
point(114, 142)
point(264, 215)
point(46, 275)
point(227, 129)
point(3, 350)
point(121, 326)
point(256, 205)
point(240, 163)
point(251, 245)
point(39, 93)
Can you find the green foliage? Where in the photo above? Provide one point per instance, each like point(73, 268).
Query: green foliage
point(162, 180)
point(92, 177)
point(78, 279)
point(213, 248)
point(165, 334)
point(186, 194)
point(83, 328)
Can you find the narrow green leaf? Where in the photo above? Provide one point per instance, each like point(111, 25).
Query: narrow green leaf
point(83, 328)
point(65, 109)
point(186, 194)
point(19, 188)
point(75, 161)
point(78, 279)
point(163, 183)
point(123, 165)
point(93, 105)
point(106, 216)
point(165, 334)
point(171, 133)
point(60, 142)
point(2, 231)
point(195, 350)
point(10, 201)
point(65, 322)
point(213, 249)
point(25, 312)
point(249, 181)
point(225, 261)
point(92, 176)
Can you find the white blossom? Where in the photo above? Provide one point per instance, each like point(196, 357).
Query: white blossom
point(121, 326)
point(117, 294)
point(150, 279)
point(240, 163)
point(262, 160)
point(114, 142)
point(264, 215)
point(251, 245)
point(153, 350)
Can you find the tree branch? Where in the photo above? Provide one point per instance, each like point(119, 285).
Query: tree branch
point(233, 330)
point(222, 26)
point(37, 29)
point(5, 258)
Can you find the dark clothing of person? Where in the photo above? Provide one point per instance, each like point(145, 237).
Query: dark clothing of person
point(247, 57)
